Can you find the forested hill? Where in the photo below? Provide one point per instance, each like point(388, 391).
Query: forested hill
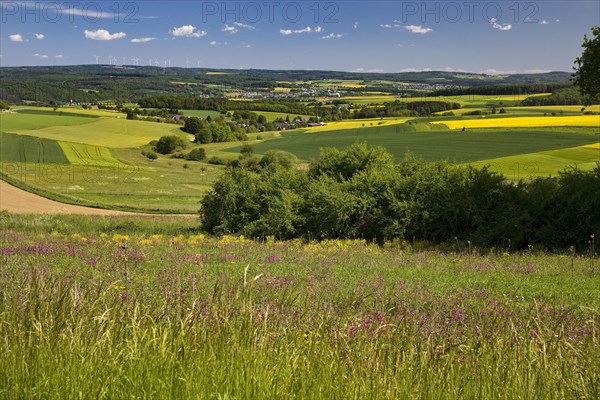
point(89, 83)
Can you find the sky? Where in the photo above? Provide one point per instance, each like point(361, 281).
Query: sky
point(494, 37)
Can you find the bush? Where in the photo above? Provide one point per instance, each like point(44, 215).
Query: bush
point(360, 193)
point(216, 160)
point(168, 144)
point(198, 154)
point(192, 125)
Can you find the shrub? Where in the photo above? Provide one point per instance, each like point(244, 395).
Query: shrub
point(168, 144)
point(198, 154)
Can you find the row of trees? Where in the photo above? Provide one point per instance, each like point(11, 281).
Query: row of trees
point(221, 104)
point(562, 97)
point(361, 193)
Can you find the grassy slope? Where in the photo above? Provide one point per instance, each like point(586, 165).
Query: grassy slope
point(35, 119)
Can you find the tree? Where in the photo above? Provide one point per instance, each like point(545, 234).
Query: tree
point(198, 154)
point(167, 144)
point(192, 125)
point(587, 69)
point(4, 105)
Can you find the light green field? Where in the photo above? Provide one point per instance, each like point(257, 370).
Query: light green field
point(86, 154)
point(543, 163)
point(201, 113)
point(108, 132)
point(33, 119)
point(272, 116)
point(77, 110)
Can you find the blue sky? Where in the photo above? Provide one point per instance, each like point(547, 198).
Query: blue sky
point(387, 36)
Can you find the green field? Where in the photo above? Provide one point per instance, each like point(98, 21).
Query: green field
point(85, 154)
point(123, 307)
point(108, 132)
point(201, 113)
point(25, 119)
point(472, 145)
point(29, 149)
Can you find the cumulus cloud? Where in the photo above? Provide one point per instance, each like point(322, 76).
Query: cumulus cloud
point(142, 40)
point(59, 56)
point(244, 26)
point(16, 37)
point(333, 36)
point(187, 31)
point(231, 29)
point(36, 55)
point(387, 26)
point(308, 29)
point(39, 36)
point(103, 34)
point(502, 27)
point(355, 25)
point(417, 29)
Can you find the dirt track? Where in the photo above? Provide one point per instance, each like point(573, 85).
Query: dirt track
point(18, 201)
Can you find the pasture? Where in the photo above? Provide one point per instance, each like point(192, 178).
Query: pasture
point(126, 307)
point(472, 145)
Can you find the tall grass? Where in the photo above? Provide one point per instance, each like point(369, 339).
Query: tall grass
point(177, 315)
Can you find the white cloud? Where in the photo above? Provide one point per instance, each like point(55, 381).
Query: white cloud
point(142, 40)
point(16, 38)
point(59, 56)
point(374, 70)
point(493, 71)
point(355, 25)
point(333, 36)
point(557, 21)
point(501, 27)
point(231, 29)
point(36, 55)
point(417, 29)
point(187, 31)
point(537, 71)
point(385, 26)
point(244, 26)
point(213, 43)
point(103, 34)
point(308, 29)
point(246, 46)
point(39, 36)
point(543, 22)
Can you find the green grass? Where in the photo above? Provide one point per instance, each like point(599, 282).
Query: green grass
point(108, 132)
point(202, 113)
point(543, 163)
point(472, 145)
point(24, 119)
point(100, 308)
point(28, 149)
point(133, 183)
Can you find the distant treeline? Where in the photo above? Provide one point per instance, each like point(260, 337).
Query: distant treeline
point(503, 89)
point(405, 109)
point(561, 97)
point(361, 193)
point(221, 104)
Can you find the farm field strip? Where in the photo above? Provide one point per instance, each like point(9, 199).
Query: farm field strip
point(108, 132)
point(524, 122)
point(85, 154)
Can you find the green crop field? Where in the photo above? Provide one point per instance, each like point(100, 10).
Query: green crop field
point(28, 149)
point(86, 154)
point(126, 307)
point(472, 145)
point(201, 113)
point(25, 119)
point(108, 132)
point(544, 163)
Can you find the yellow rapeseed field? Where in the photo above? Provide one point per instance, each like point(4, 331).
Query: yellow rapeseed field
point(524, 122)
point(368, 123)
